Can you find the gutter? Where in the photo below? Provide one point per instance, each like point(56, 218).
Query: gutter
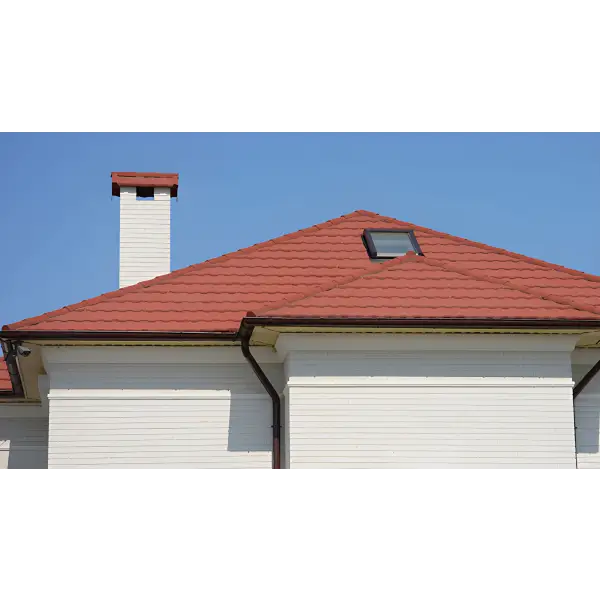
point(382, 323)
point(244, 336)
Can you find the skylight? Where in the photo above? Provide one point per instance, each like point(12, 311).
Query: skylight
point(390, 243)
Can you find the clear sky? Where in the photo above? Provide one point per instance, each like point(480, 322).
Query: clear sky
point(537, 194)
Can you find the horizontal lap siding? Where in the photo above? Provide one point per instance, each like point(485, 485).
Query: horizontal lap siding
point(208, 432)
point(452, 419)
point(145, 239)
point(159, 416)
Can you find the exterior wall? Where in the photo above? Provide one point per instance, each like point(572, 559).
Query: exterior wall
point(145, 236)
point(158, 407)
point(587, 411)
point(23, 437)
point(370, 401)
point(351, 401)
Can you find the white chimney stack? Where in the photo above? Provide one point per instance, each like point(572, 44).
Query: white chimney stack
point(145, 233)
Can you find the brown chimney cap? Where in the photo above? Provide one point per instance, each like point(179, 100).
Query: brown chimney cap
point(145, 182)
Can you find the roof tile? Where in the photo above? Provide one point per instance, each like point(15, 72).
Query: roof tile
point(458, 277)
point(417, 287)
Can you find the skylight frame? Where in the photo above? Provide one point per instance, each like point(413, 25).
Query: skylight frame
point(372, 249)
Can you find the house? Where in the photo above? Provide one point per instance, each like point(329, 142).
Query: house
point(364, 341)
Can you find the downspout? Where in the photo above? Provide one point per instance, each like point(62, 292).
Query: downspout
point(587, 378)
point(9, 350)
point(245, 335)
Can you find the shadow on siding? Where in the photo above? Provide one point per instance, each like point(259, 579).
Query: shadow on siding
point(587, 412)
point(23, 445)
point(249, 424)
point(25, 458)
point(430, 364)
point(588, 428)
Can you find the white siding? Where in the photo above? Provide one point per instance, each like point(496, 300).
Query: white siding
point(157, 407)
point(23, 437)
point(429, 401)
point(145, 236)
point(351, 401)
point(587, 411)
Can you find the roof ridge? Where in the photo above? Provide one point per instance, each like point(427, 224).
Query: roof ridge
point(547, 297)
point(529, 259)
point(177, 273)
point(315, 291)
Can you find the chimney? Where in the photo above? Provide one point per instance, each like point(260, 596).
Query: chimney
point(145, 233)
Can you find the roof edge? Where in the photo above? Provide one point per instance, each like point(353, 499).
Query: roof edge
point(383, 322)
point(118, 336)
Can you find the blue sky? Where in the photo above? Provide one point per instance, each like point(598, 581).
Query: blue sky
point(537, 194)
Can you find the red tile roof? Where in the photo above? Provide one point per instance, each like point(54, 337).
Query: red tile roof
point(325, 270)
point(417, 287)
point(5, 385)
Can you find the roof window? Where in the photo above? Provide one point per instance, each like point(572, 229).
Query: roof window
point(390, 243)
